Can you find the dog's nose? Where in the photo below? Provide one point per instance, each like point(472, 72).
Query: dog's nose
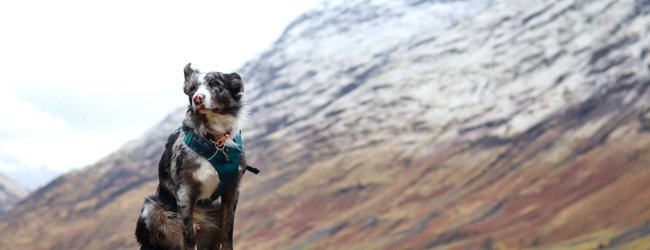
point(198, 99)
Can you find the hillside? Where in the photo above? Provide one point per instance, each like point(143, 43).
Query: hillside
point(413, 124)
point(10, 193)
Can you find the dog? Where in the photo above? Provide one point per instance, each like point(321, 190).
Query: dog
point(196, 198)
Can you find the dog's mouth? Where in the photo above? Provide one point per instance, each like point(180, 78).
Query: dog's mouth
point(204, 110)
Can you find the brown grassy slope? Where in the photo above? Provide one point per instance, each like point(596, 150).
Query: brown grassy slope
point(523, 125)
point(94, 208)
point(521, 194)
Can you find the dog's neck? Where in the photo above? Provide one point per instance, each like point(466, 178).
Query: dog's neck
point(213, 125)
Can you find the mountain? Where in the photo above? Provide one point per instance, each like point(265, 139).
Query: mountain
point(30, 177)
point(10, 193)
point(413, 125)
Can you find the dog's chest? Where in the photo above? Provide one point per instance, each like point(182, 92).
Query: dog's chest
point(208, 177)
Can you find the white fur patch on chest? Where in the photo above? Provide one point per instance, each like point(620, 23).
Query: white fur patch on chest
point(208, 177)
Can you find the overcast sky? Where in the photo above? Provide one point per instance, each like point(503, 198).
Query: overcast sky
point(80, 78)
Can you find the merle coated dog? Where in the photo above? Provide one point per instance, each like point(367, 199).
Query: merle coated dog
point(202, 161)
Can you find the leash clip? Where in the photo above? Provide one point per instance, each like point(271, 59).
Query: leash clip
point(221, 143)
point(221, 146)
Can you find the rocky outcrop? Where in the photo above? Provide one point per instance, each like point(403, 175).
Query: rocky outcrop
point(414, 124)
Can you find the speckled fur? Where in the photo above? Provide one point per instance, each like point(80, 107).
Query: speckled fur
point(167, 218)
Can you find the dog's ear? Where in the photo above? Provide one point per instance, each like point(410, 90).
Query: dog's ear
point(188, 71)
point(236, 85)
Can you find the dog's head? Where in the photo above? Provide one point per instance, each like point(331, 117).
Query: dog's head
point(213, 92)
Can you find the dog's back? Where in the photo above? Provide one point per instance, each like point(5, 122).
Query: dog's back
point(158, 226)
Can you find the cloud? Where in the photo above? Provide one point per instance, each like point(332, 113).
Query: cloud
point(79, 79)
point(31, 137)
point(23, 119)
point(63, 151)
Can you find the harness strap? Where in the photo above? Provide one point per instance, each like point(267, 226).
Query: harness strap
point(224, 160)
point(253, 169)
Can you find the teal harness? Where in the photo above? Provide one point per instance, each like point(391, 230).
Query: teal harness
point(225, 161)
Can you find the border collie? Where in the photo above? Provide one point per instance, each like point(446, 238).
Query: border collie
point(185, 213)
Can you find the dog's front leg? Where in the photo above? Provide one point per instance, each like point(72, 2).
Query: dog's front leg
point(228, 207)
point(186, 199)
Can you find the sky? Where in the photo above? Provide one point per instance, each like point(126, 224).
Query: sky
point(78, 79)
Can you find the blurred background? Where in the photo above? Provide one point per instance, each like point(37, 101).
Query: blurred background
point(411, 124)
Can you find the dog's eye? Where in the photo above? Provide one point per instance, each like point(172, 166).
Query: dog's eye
point(192, 88)
point(213, 83)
